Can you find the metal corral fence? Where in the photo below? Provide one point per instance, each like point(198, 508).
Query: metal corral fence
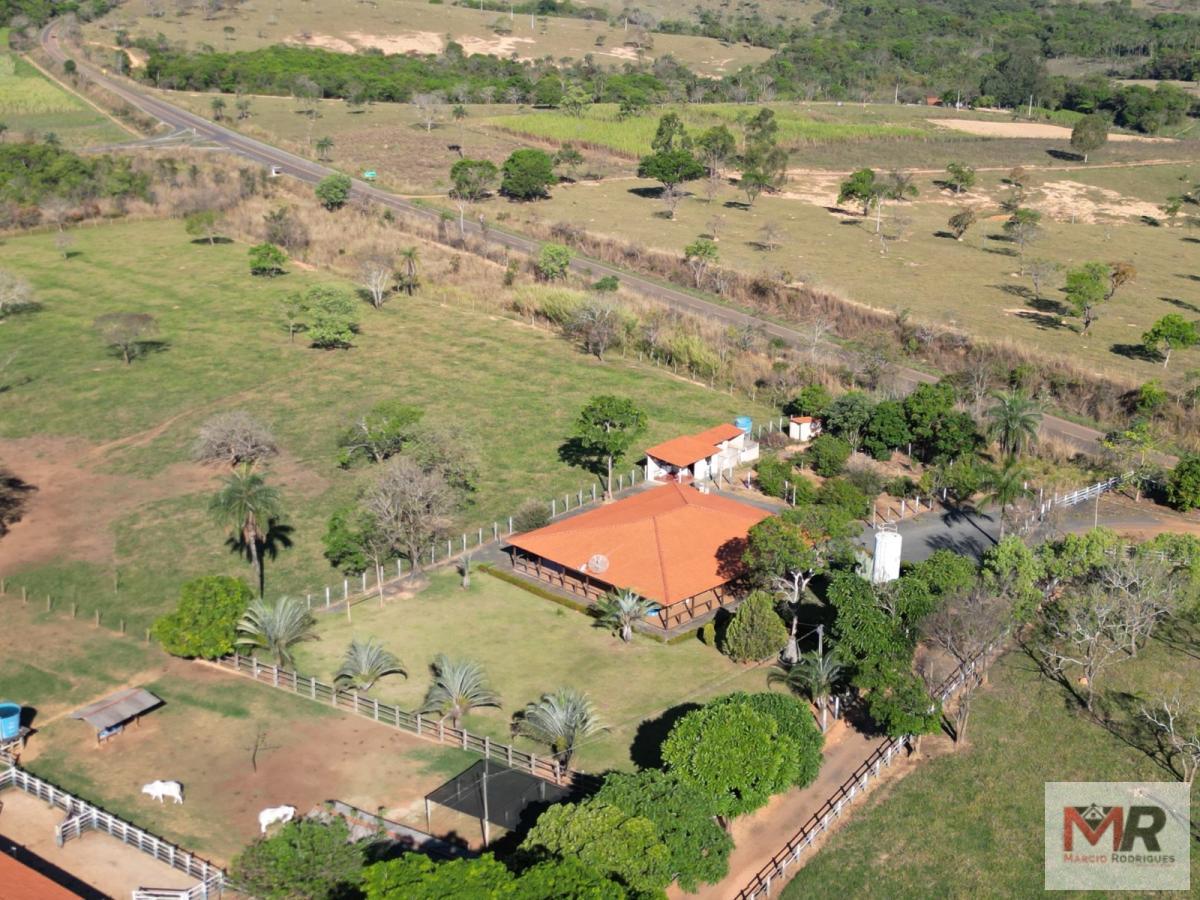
point(775, 871)
point(82, 816)
point(431, 729)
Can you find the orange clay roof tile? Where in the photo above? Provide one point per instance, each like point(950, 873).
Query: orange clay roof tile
point(663, 543)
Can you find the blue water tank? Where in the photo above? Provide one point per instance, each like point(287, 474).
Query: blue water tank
point(10, 720)
point(744, 423)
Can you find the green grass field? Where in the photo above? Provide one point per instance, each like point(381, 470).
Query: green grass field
point(413, 25)
point(529, 646)
point(124, 433)
point(600, 127)
point(32, 104)
point(969, 824)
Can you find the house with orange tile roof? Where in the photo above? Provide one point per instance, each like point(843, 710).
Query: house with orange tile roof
point(701, 457)
point(674, 545)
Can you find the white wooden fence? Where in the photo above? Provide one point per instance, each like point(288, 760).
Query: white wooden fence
point(430, 728)
point(355, 589)
point(774, 873)
point(82, 816)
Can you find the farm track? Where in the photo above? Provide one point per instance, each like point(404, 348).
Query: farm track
point(1083, 437)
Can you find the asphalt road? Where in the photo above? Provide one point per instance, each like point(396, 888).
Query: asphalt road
point(1085, 438)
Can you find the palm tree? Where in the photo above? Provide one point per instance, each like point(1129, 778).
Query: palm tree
point(459, 686)
point(365, 663)
point(275, 627)
point(248, 507)
point(410, 257)
point(324, 145)
point(560, 719)
point(617, 612)
point(1006, 485)
point(1015, 420)
point(814, 676)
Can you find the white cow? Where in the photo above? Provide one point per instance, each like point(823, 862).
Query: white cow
point(160, 789)
point(273, 814)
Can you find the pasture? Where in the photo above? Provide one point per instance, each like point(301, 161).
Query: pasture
point(980, 809)
point(237, 747)
point(119, 516)
point(32, 104)
point(801, 234)
point(404, 26)
point(529, 646)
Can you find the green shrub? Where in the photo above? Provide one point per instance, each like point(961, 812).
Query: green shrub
point(756, 632)
point(333, 191)
point(811, 401)
point(774, 475)
point(708, 634)
point(795, 721)
point(204, 623)
point(1183, 485)
point(866, 478)
point(267, 260)
point(844, 495)
point(827, 455)
point(530, 516)
point(902, 486)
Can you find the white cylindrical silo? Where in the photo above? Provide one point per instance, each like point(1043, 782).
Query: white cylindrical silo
point(886, 566)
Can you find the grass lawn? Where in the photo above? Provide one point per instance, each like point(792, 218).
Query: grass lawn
point(414, 25)
point(529, 646)
point(973, 283)
point(115, 440)
point(32, 104)
point(969, 824)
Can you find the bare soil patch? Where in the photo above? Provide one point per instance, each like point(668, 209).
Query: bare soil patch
point(1071, 200)
point(71, 510)
point(1028, 130)
point(94, 858)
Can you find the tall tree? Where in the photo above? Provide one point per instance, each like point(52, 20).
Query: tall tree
point(250, 508)
point(1171, 332)
point(1013, 421)
point(607, 428)
point(235, 438)
point(410, 506)
point(1089, 134)
point(1086, 289)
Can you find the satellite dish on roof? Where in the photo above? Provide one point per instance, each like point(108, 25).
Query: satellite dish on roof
point(598, 563)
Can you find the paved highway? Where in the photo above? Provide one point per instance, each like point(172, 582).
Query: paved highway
point(310, 172)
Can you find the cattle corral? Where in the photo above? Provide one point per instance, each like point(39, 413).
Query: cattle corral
point(205, 735)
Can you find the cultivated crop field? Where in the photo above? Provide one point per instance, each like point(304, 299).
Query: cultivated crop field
point(120, 517)
point(403, 26)
point(32, 104)
point(981, 808)
point(204, 736)
point(529, 646)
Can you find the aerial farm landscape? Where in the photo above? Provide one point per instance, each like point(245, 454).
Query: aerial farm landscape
point(553, 449)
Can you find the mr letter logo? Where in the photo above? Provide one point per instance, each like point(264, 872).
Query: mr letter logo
point(1116, 836)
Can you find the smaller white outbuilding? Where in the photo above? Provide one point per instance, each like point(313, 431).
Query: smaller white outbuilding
point(803, 428)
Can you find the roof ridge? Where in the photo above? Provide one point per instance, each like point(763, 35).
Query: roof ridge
point(662, 561)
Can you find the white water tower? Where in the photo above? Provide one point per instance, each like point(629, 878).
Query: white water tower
point(886, 566)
